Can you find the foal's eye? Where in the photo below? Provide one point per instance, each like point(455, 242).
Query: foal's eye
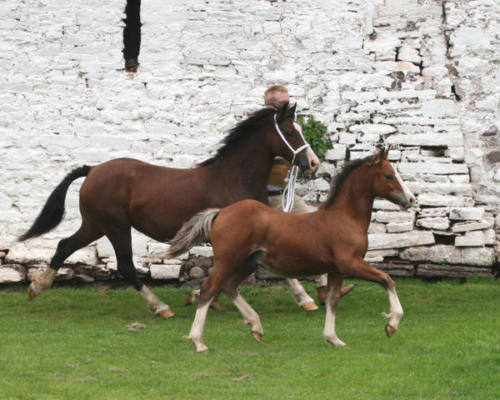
point(389, 177)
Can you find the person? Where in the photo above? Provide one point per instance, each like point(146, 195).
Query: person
point(275, 97)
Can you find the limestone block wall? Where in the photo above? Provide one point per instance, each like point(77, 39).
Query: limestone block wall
point(421, 75)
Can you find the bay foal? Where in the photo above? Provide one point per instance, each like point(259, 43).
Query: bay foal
point(124, 193)
point(331, 240)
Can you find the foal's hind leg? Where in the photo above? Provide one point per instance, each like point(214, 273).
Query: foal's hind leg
point(81, 238)
point(122, 243)
point(209, 288)
point(230, 287)
point(334, 287)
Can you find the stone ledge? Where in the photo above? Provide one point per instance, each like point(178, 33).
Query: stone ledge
point(397, 269)
point(378, 241)
point(452, 271)
point(11, 273)
point(160, 271)
point(446, 254)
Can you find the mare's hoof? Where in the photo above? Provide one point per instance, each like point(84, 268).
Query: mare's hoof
point(192, 298)
point(257, 336)
point(322, 293)
point(310, 306)
point(389, 330)
point(168, 313)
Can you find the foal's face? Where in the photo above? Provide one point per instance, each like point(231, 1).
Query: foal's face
point(388, 183)
point(292, 131)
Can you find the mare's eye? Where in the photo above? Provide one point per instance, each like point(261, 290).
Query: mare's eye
point(289, 134)
point(389, 177)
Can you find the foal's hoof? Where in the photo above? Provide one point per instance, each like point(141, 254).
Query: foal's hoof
point(216, 305)
point(346, 290)
point(310, 306)
point(334, 340)
point(389, 330)
point(168, 313)
point(257, 336)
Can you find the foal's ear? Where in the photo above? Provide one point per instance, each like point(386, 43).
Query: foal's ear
point(282, 111)
point(380, 155)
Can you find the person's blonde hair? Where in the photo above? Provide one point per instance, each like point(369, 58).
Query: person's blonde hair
point(269, 99)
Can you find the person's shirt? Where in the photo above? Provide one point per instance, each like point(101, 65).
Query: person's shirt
point(277, 178)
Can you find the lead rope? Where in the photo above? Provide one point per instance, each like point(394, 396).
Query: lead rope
point(288, 195)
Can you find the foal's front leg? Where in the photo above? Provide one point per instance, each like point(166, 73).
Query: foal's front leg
point(332, 300)
point(363, 270)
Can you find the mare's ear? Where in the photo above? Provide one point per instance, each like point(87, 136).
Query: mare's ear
point(291, 111)
point(282, 112)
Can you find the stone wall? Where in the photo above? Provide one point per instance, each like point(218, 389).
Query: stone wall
point(420, 75)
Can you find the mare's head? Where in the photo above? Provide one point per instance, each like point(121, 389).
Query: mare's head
point(268, 132)
point(387, 183)
point(289, 142)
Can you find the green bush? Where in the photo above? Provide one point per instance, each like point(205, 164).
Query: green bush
point(315, 133)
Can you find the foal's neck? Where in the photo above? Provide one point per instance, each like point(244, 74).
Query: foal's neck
point(356, 197)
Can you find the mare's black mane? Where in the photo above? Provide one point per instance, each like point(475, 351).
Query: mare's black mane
point(339, 179)
point(242, 130)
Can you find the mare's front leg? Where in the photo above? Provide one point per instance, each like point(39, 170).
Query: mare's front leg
point(122, 244)
point(334, 287)
point(363, 270)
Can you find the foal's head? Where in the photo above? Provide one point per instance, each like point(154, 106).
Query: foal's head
point(387, 183)
point(288, 140)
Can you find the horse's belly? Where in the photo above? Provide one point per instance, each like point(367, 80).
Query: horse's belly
point(285, 269)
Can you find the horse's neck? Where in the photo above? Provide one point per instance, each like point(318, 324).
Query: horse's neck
point(356, 197)
point(245, 171)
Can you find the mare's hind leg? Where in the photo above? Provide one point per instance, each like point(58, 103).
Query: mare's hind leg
point(334, 287)
point(81, 238)
point(122, 243)
point(363, 270)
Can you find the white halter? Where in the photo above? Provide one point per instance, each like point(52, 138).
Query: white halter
point(288, 195)
point(295, 152)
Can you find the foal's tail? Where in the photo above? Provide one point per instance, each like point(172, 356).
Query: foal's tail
point(53, 211)
point(195, 231)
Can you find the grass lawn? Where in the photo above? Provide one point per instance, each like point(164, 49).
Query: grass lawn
point(74, 344)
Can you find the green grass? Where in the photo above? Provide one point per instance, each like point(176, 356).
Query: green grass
point(74, 344)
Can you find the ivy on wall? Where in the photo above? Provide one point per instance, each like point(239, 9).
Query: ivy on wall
point(315, 133)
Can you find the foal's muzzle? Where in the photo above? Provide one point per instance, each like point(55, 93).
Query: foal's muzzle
point(401, 200)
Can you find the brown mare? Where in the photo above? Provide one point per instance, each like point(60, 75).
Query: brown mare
point(332, 240)
point(125, 193)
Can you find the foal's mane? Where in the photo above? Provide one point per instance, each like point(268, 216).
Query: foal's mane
point(242, 130)
point(340, 178)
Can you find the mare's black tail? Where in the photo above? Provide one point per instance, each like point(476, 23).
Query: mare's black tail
point(53, 210)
